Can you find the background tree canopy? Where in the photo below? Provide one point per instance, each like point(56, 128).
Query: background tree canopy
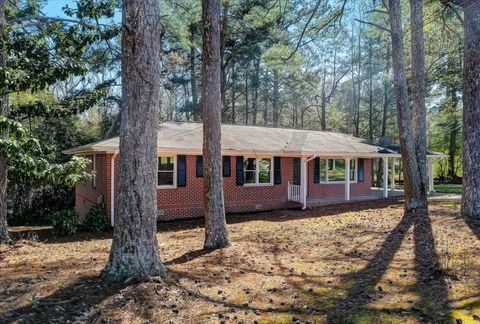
point(315, 64)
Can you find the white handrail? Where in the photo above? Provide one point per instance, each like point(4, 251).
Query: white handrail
point(293, 192)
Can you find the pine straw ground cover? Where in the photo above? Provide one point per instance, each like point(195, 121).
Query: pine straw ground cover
point(362, 263)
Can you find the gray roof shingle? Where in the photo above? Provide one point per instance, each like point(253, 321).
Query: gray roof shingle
point(188, 137)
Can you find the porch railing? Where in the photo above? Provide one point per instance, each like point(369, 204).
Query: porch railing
point(293, 192)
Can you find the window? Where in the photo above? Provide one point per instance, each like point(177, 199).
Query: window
point(166, 171)
point(250, 169)
point(333, 170)
point(257, 171)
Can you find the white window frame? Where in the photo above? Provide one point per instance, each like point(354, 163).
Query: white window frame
point(257, 171)
point(174, 156)
point(326, 181)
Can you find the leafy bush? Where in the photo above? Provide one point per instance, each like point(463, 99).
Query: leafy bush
point(65, 222)
point(96, 220)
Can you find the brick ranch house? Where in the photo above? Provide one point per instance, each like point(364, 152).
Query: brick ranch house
point(263, 168)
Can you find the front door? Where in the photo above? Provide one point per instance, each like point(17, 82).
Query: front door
point(296, 171)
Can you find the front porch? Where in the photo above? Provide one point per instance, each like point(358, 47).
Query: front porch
point(390, 167)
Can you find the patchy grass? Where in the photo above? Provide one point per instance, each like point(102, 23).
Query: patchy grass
point(449, 188)
point(363, 263)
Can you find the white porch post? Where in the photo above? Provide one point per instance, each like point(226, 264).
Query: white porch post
point(385, 177)
point(392, 181)
point(303, 182)
point(347, 179)
point(431, 187)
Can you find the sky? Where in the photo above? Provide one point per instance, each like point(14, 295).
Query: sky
point(53, 8)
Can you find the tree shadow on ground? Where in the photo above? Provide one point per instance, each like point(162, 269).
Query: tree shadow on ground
point(45, 233)
point(474, 225)
point(189, 256)
point(431, 284)
point(71, 302)
point(362, 291)
point(430, 287)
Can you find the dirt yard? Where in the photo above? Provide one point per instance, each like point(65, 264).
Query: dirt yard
point(362, 263)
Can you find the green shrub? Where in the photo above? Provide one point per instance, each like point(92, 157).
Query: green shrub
point(65, 222)
point(96, 220)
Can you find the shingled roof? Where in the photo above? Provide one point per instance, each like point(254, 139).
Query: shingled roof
point(188, 138)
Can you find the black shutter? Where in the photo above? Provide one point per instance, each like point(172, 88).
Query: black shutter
point(296, 171)
point(277, 171)
point(199, 166)
point(361, 173)
point(316, 171)
point(239, 170)
point(181, 170)
point(227, 170)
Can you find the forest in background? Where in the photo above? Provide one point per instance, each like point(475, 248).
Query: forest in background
point(320, 65)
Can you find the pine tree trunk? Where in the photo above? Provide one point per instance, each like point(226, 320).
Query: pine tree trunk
point(453, 132)
point(275, 108)
point(386, 100)
point(247, 111)
point(413, 197)
point(193, 81)
point(471, 110)
point(419, 112)
point(216, 234)
point(134, 250)
point(233, 120)
point(370, 92)
point(4, 236)
point(256, 85)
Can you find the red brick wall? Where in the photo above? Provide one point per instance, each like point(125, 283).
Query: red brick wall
point(87, 195)
point(331, 190)
point(186, 202)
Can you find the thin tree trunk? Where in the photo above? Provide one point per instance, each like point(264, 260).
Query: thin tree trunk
point(419, 112)
point(233, 94)
point(4, 236)
point(386, 99)
point(134, 251)
point(453, 132)
point(413, 197)
point(323, 102)
point(471, 110)
point(247, 112)
point(193, 81)
point(370, 92)
point(275, 108)
point(223, 36)
point(255, 85)
point(216, 234)
point(265, 99)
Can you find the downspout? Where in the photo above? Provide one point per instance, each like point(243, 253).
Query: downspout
point(112, 189)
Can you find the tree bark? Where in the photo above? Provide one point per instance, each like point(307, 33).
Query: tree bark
point(413, 197)
point(216, 234)
point(471, 110)
point(134, 250)
point(419, 112)
point(4, 236)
